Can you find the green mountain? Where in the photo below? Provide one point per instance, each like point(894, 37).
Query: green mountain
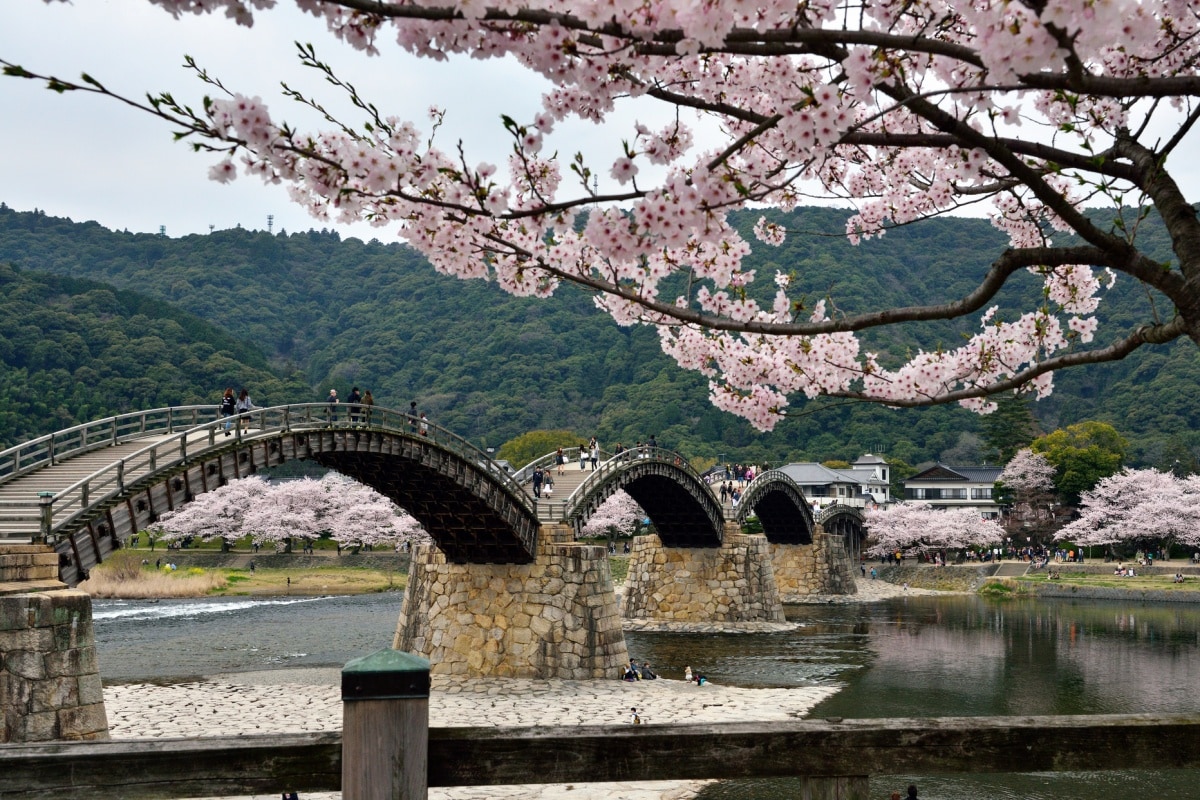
point(291, 315)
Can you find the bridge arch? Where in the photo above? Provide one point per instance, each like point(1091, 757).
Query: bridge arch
point(473, 510)
point(781, 507)
point(684, 511)
point(846, 521)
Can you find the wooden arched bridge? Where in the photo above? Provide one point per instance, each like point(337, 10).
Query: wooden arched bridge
point(89, 487)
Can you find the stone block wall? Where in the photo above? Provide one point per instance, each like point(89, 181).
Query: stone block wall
point(803, 570)
point(731, 583)
point(554, 618)
point(49, 679)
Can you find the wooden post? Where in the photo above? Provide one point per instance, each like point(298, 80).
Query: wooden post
point(385, 727)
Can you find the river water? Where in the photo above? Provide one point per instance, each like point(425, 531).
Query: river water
point(911, 657)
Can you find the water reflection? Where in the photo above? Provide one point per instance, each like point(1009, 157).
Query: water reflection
point(959, 656)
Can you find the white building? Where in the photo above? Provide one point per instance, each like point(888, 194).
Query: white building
point(864, 485)
point(944, 486)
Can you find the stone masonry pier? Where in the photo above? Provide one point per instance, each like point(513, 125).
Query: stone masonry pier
point(823, 567)
point(49, 679)
point(554, 618)
point(731, 583)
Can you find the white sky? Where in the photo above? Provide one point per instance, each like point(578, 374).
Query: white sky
point(90, 158)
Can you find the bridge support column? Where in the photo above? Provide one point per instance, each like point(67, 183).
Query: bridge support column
point(823, 567)
point(49, 679)
point(554, 618)
point(731, 583)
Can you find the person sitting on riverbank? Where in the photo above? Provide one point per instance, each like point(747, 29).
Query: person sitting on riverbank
point(630, 673)
point(1178, 577)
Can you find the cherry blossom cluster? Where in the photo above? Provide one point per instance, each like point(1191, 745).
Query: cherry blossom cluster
point(619, 515)
point(1028, 471)
point(1138, 505)
point(903, 111)
point(274, 513)
point(912, 527)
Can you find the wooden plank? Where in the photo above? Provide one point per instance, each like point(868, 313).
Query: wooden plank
point(832, 751)
point(157, 768)
point(492, 756)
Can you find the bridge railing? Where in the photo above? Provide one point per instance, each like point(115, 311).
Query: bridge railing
point(48, 449)
point(617, 462)
point(64, 507)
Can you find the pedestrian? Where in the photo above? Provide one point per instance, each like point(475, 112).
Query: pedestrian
point(594, 447)
point(243, 406)
point(687, 673)
point(583, 455)
point(227, 408)
point(354, 399)
point(538, 477)
point(413, 417)
point(251, 567)
point(368, 402)
point(634, 717)
point(424, 425)
point(912, 792)
point(332, 400)
point(560, 459)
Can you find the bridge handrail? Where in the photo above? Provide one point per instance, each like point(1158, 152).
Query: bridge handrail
point(525, 474)
point(109, 481)
point(28, 456)
point(632, 455)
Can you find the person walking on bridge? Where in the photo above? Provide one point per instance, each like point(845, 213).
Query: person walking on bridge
point(332, 400)
point(243, 406)
point(228, 407)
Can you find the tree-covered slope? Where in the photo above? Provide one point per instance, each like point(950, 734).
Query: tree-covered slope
point(73, 349)
point(492, 366)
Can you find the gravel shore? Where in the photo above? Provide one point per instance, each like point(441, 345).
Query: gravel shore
point(308, 700)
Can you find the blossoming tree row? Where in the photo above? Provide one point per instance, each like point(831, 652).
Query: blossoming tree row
point(1026, 111)
point(274, 513)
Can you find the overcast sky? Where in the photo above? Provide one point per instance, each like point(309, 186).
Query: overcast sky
point(90, 158)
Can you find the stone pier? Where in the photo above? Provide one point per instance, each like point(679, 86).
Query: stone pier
point(554, 618)
point(731, 583)
point(823, 567)
point(49, 679)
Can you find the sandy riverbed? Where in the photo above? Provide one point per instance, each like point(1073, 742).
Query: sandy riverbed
point(304, 700)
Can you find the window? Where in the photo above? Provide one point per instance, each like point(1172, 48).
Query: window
point(954, 494)
point(981, 494)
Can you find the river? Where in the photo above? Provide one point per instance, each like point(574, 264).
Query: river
point(910, 657)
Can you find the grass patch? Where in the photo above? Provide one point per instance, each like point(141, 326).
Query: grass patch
point(315, 581)
point(619, 567)
point(996, 589)
point(123, 576)
point(1139, 583)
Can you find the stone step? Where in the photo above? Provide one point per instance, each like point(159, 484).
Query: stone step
point(25, 587)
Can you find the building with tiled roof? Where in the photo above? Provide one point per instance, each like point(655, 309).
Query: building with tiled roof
point(864, 485)
point(945, 486)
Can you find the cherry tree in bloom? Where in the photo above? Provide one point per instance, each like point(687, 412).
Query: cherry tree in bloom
point(914, 527)
point(1030, 478)
point(1138, 506)
point(219, 514)
point(277, 513)
point(619, 514)
point(1025, 111)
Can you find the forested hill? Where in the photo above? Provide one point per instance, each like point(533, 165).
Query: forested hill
point(333, 313)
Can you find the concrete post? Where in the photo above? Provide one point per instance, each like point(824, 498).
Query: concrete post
point(385, 727)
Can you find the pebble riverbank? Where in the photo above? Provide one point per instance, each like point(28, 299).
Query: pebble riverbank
point(308, 700)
